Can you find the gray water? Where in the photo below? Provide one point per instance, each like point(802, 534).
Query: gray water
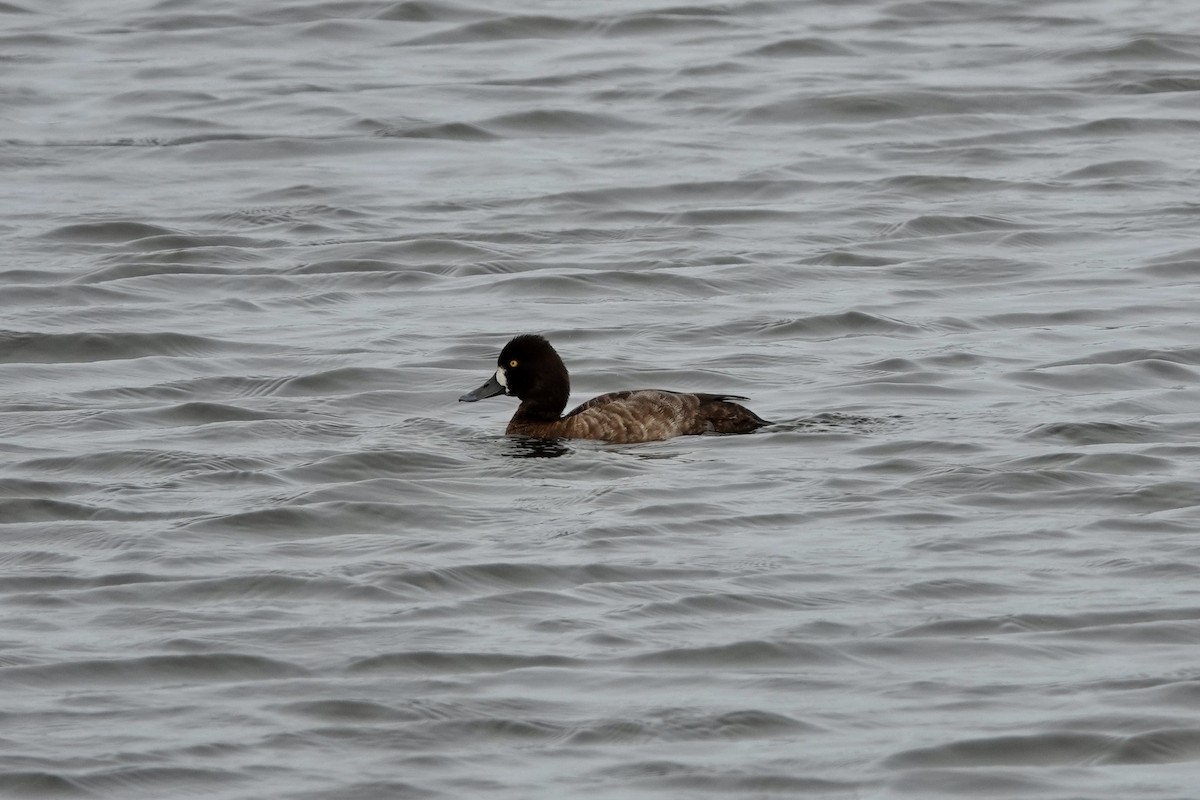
point(251, 547)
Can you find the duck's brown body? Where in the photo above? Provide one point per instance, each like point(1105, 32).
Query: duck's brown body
point(529, 368)
point(644, 415)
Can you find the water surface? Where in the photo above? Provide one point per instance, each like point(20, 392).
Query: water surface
point(250, 545)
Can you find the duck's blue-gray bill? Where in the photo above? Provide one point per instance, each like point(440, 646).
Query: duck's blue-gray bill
point(489, 389)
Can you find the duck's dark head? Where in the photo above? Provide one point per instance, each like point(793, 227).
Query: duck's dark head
point(529, 368)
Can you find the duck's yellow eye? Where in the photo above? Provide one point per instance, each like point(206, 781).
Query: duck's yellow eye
point(512, 363)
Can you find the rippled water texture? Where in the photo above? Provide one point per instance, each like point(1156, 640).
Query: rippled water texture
point(253, 251)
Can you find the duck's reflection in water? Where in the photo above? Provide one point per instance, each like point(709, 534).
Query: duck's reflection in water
point(529, 447)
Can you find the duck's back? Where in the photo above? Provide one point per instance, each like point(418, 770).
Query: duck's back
point(646, 415)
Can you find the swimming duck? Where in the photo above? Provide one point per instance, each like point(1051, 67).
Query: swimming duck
point(531, 370)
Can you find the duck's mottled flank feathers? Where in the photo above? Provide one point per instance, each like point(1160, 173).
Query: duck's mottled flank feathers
point(644, 415)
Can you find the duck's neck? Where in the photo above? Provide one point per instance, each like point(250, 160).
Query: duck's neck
point(545, 397)
point(544, 409)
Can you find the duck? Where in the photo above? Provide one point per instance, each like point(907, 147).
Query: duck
point(531, 370)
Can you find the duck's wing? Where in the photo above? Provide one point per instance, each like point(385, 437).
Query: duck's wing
point(640, 415)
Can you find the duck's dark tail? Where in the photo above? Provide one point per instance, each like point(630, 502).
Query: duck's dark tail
point(725, 416)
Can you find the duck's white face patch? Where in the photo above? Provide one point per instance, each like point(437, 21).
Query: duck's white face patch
point(502, 378)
